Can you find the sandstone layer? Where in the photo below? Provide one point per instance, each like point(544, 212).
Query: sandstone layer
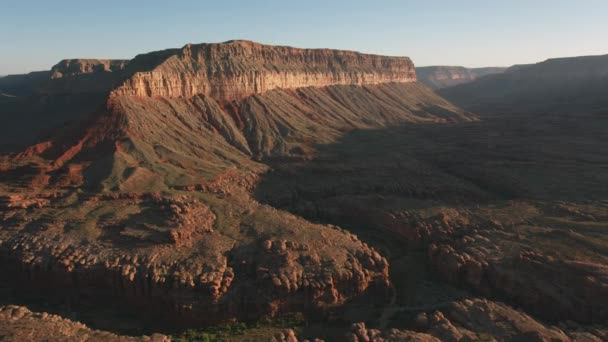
point(72, 67)
point(235, 69)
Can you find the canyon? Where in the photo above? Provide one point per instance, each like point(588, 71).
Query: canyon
point(439, 77)
point(243, 191)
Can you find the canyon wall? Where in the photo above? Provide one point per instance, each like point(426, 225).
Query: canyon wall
point(438, 77)
point(73, 67)
point(235, 69)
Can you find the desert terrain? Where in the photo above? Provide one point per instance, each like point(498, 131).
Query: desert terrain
point(239, 191)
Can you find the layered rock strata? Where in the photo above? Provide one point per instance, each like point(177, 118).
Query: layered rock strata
point(72, 67)
point(174, 262)
point(236, 69)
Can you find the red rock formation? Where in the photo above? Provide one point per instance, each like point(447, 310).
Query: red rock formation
point(471, 320)
point(17, 324)
point(72, 67)
point(236, 69)
point(169, 258)
point(285, 336)
point(551, 288)
point(360, 333)
point(475, 320)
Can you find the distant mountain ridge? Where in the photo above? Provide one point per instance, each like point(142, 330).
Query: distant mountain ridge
point(439, 77)
point(70, 67)
point(557, 85)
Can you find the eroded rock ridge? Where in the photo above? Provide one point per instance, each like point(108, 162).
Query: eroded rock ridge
point(235, 69)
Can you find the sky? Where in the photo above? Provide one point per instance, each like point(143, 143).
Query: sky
point(34, 35)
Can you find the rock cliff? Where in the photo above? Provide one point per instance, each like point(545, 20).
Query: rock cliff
point(235, 69)
point(183, 267)
point(72, 67)
point(438, 77)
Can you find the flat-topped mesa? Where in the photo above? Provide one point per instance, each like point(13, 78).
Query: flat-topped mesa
point(236, 69)
point(438, 77)
point(72, 67)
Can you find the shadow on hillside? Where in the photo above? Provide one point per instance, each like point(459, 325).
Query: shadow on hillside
point(43, 108)
point(543, 158)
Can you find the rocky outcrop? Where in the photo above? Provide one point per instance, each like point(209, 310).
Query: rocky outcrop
point(23, 201)
point(438, 77)
point(17, 323)
point(288, 266)
point(555, 289)
point(73, 67)
point(167, 256)
point(235, 69)
point(288, 335)
point(360, 333)
point(481, 319)
point(476, 320)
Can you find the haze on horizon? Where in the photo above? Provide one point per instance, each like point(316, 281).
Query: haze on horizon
point(37, 34)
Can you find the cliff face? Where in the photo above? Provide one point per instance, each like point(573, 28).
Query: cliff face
point(236, 69)
point(438, 77)
point(73, 67)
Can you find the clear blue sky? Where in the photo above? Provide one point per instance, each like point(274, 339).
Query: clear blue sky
point(34, 35)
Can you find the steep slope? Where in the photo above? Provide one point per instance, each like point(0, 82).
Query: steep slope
point(562, 85)
point(22, 84)
point(144, 136)
point(39, 105)
point(439, 77)
point(144, 201)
